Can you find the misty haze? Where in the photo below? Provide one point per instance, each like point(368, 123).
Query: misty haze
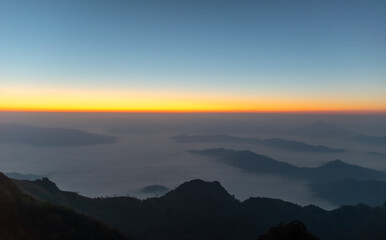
point(133, 151)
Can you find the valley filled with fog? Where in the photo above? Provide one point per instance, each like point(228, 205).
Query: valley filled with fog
point(145, 152)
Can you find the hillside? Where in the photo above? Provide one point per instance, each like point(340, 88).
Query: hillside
point(205, 210)
point(23, 217)
point(256, 163)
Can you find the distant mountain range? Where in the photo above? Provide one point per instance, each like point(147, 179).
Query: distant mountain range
point(278, 143)
point(255, 163)
point(20, 176)
point(206, 211)
point(24, 218)
point(39, 136)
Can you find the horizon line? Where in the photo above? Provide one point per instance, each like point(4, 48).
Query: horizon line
point(343, 112)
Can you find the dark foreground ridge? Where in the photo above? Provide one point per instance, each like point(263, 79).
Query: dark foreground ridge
point(291, 231)
point(205, 210)
point(24, 218)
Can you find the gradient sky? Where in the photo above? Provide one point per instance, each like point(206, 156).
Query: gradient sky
point(193, 55)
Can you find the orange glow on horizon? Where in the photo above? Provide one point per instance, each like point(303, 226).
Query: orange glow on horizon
point(98, 100)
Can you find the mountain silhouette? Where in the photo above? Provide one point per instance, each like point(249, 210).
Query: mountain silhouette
point(23, 217)
point(39, 136)
point(291, 231)
point(255, 163)
point(283, 144)
point(205, 210)
point(16, 175)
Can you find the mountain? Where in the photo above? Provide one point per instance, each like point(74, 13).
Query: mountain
point(291, 231)
point(39, 136)
point(255, 163)
point(321, 129)
point(23, 217)
point(368, 139)
point(352, 191)
point(337, 169)
point(283, 144)
point(16, 175)
point(205, 210)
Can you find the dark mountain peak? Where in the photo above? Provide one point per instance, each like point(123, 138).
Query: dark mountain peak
point(336, 162)
point(47, 184)
point(196, 190)
point(337, 170)
point(339, 164)
point(295, 230)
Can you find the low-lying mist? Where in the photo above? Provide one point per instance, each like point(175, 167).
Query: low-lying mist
point(145, 153)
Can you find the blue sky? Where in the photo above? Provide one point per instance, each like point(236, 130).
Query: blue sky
point(309, 48)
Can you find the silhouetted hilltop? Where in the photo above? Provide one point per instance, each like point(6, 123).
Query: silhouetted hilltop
point(352, 191)
point(288, 145)
point(198, 191)
point(39, 136)
point(368, 139)
point(321, 129)
point(297, 146)
point(338, 169)
point(291, 231)
point(205, 210)
point(23, 217)
point(252, 162)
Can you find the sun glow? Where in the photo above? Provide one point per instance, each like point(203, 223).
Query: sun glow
point(126, 100)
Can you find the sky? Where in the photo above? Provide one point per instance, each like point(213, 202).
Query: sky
point(193, 55)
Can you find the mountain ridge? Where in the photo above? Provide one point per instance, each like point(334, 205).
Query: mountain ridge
point(256, 163)
point(205, 210)
point(279, 143)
